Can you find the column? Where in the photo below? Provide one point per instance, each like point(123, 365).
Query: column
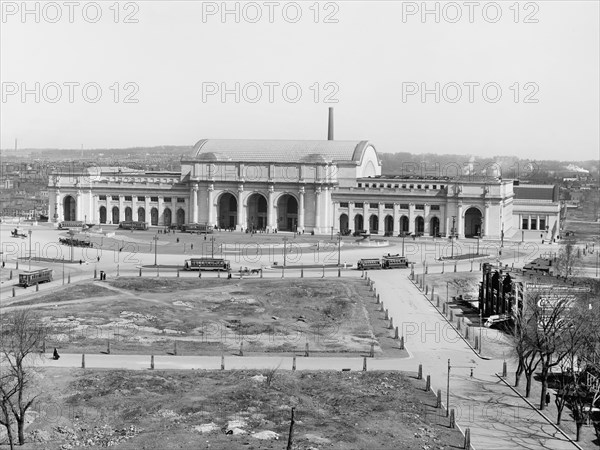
point(92, 207)
point(241, 219)
point(270, 208)
point(396, 229)
point(161, 217)
point(301, 210)
point(327, 206)
point(211, 207)
point(460, 222)
point(121, 209)
point(317, 226)
point(411, 218)
point(58, 214)
point(351, 216)
point(366, 224)
point(486, 220)
point(380, 219)
point(426, 219)
point(194, 206)
point(148, 215)
point(334, 219)
point(78, 208)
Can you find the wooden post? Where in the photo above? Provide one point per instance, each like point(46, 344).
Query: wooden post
point(294, 363)
point(452, 419)
point(151, 362)
point(439, 399)
point(428, 383)
point(365, 364)
point(95, 274)
point(175, 348)
point(339, 272)
point(83, 361)
point(302, 272)
point(242, 348)
point(44, 346)
point(467, 332)
point(432, 292)
point(37, 287)
point(372, 350)
point(402, 343)
point(222, 362)
point(10, 276)
point(438, 301)
point(396, 333)
point(451, 315)
point(200, 274)
point(140, 274)
point(382, 308)
point(323, 271)
point(458, 324)
point(444, 308)
point(69, 279)
point(261, 273)
point(13, 292)
point(427, 290)
point(391, 323)
point(467, 438)
point(455, 267)
point(291, 434)
point(476, 342)
point(108, 346)
point(177, 273)
point(387, 314)
point(442, 266)
point(504, 369)
point(306, 353)
point(426, 269)
point(362, 275)
point(420, 372)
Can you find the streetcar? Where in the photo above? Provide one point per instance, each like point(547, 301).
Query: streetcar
point(394, 261)
point(206, 264)
point(133, 225)
point(65, 225)
point(34, 277)
point(368, 264)
point(199, 228)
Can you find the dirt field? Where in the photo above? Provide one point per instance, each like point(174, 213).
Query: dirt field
point(237, 409)
point(209, 316)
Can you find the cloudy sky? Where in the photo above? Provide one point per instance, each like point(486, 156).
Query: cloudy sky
point(487, 79)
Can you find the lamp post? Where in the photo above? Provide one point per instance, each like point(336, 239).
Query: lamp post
point(339, 238)
point(155, 239)
point(63, 264)
point(480, 327)
point(448, 391)
point(452, 235)
point(29, 232)
point(285, 239)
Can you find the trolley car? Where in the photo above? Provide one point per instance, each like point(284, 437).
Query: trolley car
point(386, 262)
point(133, 225)
point(206, 264)
point(34, 277)
point(198, 228)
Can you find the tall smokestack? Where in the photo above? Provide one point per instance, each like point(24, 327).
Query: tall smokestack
point(330, 128)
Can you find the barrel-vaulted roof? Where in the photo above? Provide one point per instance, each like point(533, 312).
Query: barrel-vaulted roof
point(281, 151)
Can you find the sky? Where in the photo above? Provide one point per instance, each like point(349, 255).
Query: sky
point(486, 78)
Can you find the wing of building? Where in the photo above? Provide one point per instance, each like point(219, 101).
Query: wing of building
point(306, 186)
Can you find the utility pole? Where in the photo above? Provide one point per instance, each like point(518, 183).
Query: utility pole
point(155, 239)
point(339, 238)
point(285, 239)
point(452, 235)
point(29, 232)
point(448, 391)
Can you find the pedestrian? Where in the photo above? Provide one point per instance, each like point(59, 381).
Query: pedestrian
point(3, 264)
point(55, 354)
point(192, 246)
point(547, 398)
point(80, 262)
point(178, 240)
point(98, 259)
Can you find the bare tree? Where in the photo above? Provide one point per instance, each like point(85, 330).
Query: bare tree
point(569, 259)
point(22, 335)
point(527, 355)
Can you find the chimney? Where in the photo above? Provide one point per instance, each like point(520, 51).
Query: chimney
point(330, 128)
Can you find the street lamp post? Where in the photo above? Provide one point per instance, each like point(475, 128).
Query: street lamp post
point(63, 264)
point(29, 232)
point(155, 239)
point(480, 328)
point(285, 239)
point(339, 238)
point(448, 391)
point(452, 235)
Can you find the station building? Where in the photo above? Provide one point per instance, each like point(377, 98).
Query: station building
point(306, 186)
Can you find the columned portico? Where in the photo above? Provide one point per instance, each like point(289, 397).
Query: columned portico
point(411, 218)
point(270, 209)
point(241, 220)
point(318, 209)
point(460, 221)
point(396, 227)
point(211, 205)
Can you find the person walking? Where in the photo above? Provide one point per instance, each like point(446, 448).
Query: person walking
point(55, 354)
point(547, 398)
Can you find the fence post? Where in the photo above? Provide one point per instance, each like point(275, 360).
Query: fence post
point(323, 271)
point(428, 383)
point(420, 372)
point(95, 274)
point(261, 272)
point(402, 343)
point(10, 276)
point(432, 292)
point(427, 290)
point(177, 273)
point(13, 292)
point(426, 269)
point(152, 362)
point(175, 348)
point(455, 267)
point(476, 342)
point(452, 419)
point(140, 274)
point(372, 351)
point(451, 315)
point(222, 362)
point(387, 314)
point(439, 399)
point(467, 332)
point(339, 272)
point(83, 361)
point(200, 274)
point(365, 364)
point(444, 308)
point(17, 265)
point(377, 302)
point(44, 346)
point(302, 272)
point(294, 363)
point(108, 346)
point(306, 353)
point(37, 287)
point(504, 369)
point(458, 324)
point(442, 266)
point(391, 323)
point(396, 333)
point(438, 301)
point(69, 279)
point(467, 438)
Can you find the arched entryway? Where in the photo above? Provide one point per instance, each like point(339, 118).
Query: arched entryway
point(389, 225)
point(344, 223)
point(167, 217)
point(69, 208)
point(419, 225)
point(358, 223)
point(434, 226)
point(374, 224)
point(141, 216)
point(287, 213)
point(154, 216)
point(103, 214)
point(180, 216)
point(128, 214)
point(115, 215)
point(404, 224)
point(227, 209)
point(472, 222)
point(257, 212)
